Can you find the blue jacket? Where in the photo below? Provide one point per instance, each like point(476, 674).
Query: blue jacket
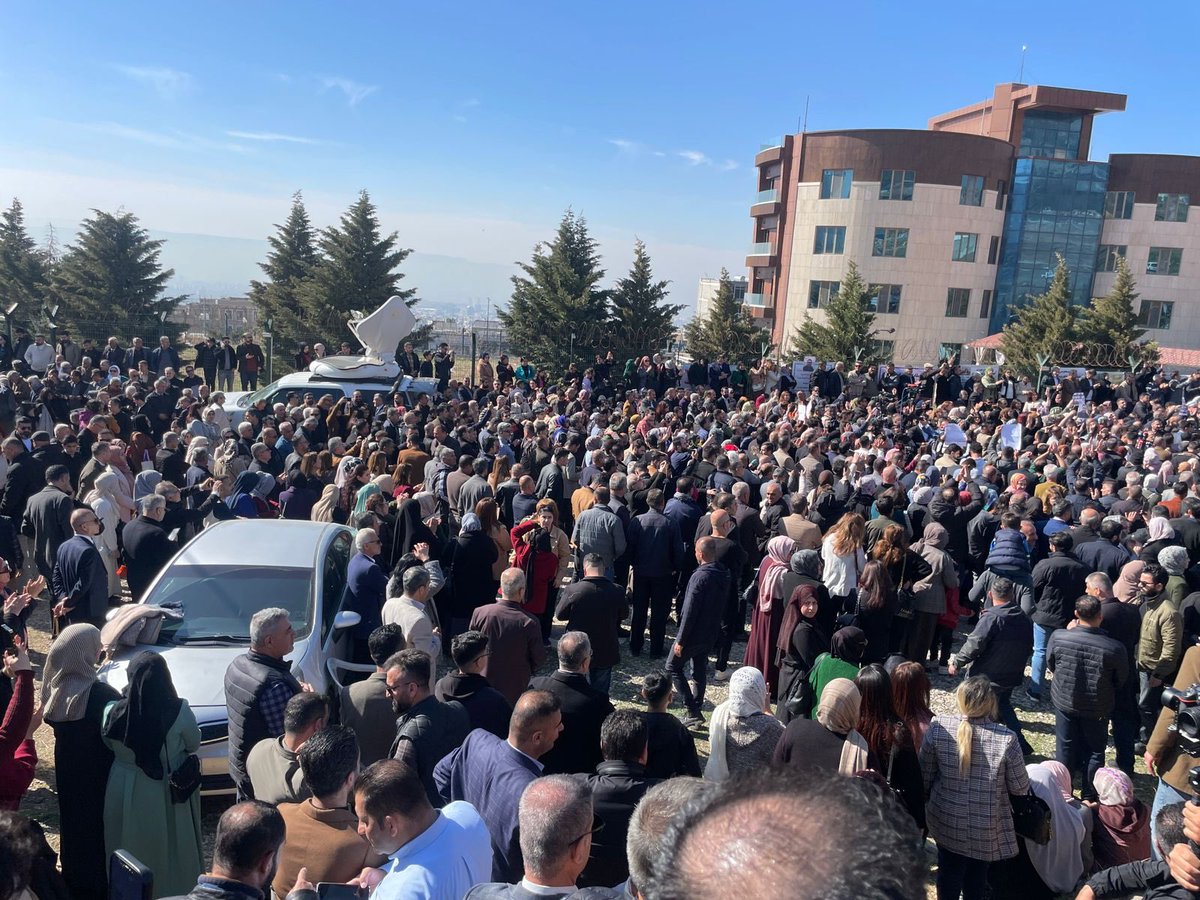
point(703, 608)
point(1104, 556)
point(655, 547)
point(1008, 551)
point(80, 578)
point(685, 513)
point(367, 586)
point(490, 774)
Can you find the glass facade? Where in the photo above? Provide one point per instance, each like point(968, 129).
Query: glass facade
point(1118, 205)
point(890, 242)
point(820, 292)
point(1051, 134)
point(884, 298)
point(1171, 208)
point(830, 239)
point(1155, 314)
point(897, 184)
point(1056, 207)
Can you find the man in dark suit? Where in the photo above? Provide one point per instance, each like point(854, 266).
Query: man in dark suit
point(48, 515)
point(147, 547)
point(584, 708)
point(595, 606)
point(365, 705)
point(366, 585)
point(24, 479)
point(80, 581)
point(1187, 527)
point(491, 774)
point(553, 811)
point(699, 627)
point(655, 555)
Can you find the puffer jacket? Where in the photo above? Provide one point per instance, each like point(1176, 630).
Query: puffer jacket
point(1161, 643)
point(1008, 551)
point(1089, 667)
point(929, 594)
point(1058, 581)
point(999, 646)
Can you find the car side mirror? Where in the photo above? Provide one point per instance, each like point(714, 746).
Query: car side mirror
point(346, 619)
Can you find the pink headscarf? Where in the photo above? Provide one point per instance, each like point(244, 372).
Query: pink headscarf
point(1125, 588)
point(772, 569)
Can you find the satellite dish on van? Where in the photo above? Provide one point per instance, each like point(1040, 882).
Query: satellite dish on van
point(381, 331)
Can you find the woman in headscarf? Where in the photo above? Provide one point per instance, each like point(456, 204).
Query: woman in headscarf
point(241, 501)
point(802, 639)
point(830, 744)
point(73, 704)
point(742, 731)
point(416, 522)
point(843, 660)
point(470, 573)
point(145, 483)
point(1125, 588)
point(768, 610)
point(929, 594)
point(351, 476)
point(1162, 535)
point(102, 499)
point(261, 492)
point(361, 499)
point(1121, 833)
point(322, 510)
point(152, 732)
point(970, 766)
point(804, 567)
point(1043, 871)
point(141, 447)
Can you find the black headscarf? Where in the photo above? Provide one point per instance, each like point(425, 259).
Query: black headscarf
point(849, 643)
point(410, 530)
point(145, 713)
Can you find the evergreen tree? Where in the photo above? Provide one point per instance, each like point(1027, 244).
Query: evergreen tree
point(1044, 326)
point(642, 320)
point(23, 268)
point(111, 281)
point(848, 332)
point(557, 296)
point(1111, 320)
point(356, 274)
point(289, 263)
point(727, 329)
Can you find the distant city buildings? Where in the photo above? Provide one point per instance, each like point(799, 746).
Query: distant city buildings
point(708, 293)
point(489, 333)
point(955, 226)
point(222, 317)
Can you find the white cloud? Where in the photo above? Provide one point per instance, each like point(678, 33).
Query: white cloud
point(729, 165)
point(659, 153)
point(167, 83)
point(624, 145)
point(695, 157)
point(355, 91)
point(271, 137)
point(173, 140)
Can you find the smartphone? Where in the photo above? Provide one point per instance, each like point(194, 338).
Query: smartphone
point(327, 890)
point(129, 879)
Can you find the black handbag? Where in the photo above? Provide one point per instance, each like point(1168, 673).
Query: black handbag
point(1031, 817)
point(185, 779)
point(798, 701)
point(907, 599)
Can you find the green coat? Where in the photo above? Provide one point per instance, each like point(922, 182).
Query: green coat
point(826, 669)
point(139, 816)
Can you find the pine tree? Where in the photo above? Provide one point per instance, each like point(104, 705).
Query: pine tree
point(557, 297)
point(1044, 326)
point(848, 332)
point(1111, 320)
point(356, 274)
point(23, 269)
point(642, 320)
point(289, 263)
point(111, 281)
point(727, 329)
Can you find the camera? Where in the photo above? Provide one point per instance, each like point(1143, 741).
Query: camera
point(1186, 726)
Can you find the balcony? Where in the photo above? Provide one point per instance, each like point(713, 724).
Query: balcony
point(765, 203)
point(769, 153)
point(760, 301)
point(761, 254)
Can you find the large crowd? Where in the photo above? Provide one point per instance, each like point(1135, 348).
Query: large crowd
point(857, 528)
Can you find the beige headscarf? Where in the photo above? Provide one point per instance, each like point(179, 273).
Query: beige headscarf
point(322, 510)
point(70, 672)
point(838, 711)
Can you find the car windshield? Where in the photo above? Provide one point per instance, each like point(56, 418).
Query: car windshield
point(218, 601)
point(263, 393)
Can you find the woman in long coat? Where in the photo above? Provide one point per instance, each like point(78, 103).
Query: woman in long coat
point(151, 733)
point(768, 610)
point(73, 704)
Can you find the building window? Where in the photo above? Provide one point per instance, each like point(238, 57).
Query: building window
point(1171, 208)
point(993, 249)
point(1155, 314)
point(835, 184)
point(885, 350)
point(964, 247)
point(949, 351)
point(830, 239)
point(972, 191)
point(1106, 257)
point(821, 292)
point(1118, 205)
point(985, 308)
point(1052, 134)
point(1164, 261)
point(897, 184)
point(1001, 187)
point(884, 298)
point(890, 242)
point(957, 301)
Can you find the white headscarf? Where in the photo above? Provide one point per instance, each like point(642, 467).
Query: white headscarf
point(747, 696)
point(1058, 862)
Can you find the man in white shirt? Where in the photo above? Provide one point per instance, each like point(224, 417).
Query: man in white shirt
point(39, 355)
point(408, 610)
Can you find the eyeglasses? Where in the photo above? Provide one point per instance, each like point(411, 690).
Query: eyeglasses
point(597, 825)
point(395, 688)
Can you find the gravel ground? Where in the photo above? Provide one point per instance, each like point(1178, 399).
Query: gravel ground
point(41, 803)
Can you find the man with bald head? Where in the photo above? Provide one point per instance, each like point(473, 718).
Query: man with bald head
point(699, 627)
point(80, 581)
point(730, 555)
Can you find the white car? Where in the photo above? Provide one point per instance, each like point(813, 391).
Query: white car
point(219, 580)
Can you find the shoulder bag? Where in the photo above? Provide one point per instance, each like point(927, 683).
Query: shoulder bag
point(905, 595)
point(185, 780)
point(1031, 817)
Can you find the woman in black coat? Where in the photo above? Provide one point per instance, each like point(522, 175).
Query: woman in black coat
point(799, 646)
point(470, 573)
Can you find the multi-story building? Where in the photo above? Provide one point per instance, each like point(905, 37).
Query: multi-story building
point(221, 317)
point(708, 293)
point(955, 226)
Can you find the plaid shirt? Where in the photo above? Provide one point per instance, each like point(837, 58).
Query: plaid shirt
point(271, 703)
point(972, 815)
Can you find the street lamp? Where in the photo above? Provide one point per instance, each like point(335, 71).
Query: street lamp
point(8, 315)
point(572, 354)
point(52, 316)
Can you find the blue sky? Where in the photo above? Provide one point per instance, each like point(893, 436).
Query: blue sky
point(475, 125)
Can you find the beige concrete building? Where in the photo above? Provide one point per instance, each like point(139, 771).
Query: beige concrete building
point(707, 293)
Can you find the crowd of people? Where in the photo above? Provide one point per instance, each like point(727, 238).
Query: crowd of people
point(859, 529)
